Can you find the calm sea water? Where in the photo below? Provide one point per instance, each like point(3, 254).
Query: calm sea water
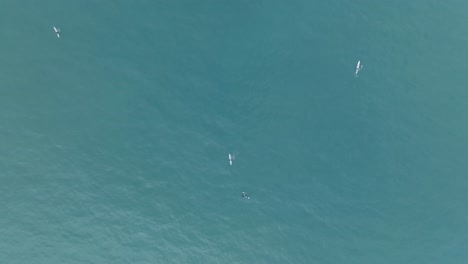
point(114, 138)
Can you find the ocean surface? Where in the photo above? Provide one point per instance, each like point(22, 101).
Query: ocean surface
point(114, 139)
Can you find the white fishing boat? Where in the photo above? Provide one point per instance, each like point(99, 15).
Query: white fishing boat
point(230, 159)
point(57, 31)
point(358, 68)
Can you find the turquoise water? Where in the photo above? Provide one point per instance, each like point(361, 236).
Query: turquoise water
point(114, 138)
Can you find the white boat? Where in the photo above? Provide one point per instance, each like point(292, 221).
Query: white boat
point(358, 67)
point(57, 31)
point(230, 159)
